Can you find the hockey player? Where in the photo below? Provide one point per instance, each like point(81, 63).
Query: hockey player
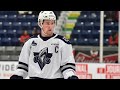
point(47, 56)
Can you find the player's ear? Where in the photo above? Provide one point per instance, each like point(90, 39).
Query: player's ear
point(40, 24)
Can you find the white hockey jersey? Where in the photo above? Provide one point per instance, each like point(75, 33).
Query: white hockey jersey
point(48, 59)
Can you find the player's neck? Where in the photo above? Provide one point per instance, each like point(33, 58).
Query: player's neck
point(46, 38)
point(46, 35)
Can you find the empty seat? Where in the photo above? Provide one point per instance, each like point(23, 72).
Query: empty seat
point(106, 42)
point(15, 42)
point(7, 25)
point(3, 33)
point(92, 15)
point(16, 24)
point(19, 33)
point(6, 41)
point(79, 25)
point(83, 41)
point(107, 33)
point(74, 35)
point(89, 25)
point(34, 24)
point(109, 25)
point(11, 18)
point(11, 33)
point(86, 33)
point(76, 31)
point(3, 18)
point(80, 41)
point(74, 41)
point(82, 18)
point(25, 24)
point(95, 33)
point(30, 18)
point(21, 18)
point(93, 41)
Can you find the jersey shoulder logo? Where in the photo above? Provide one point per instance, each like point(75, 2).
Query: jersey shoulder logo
point(42, 57)
point(34, 43)
point(63, 39)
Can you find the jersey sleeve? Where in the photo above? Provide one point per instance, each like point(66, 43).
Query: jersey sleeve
point(68, 63)
point(22, 67)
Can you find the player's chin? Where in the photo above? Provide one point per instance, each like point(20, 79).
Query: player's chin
point(50, 33)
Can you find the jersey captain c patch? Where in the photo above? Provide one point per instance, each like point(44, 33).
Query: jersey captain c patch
point(42, 57)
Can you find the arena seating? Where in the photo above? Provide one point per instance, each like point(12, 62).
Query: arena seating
point(12, 24)
point(85, 28)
